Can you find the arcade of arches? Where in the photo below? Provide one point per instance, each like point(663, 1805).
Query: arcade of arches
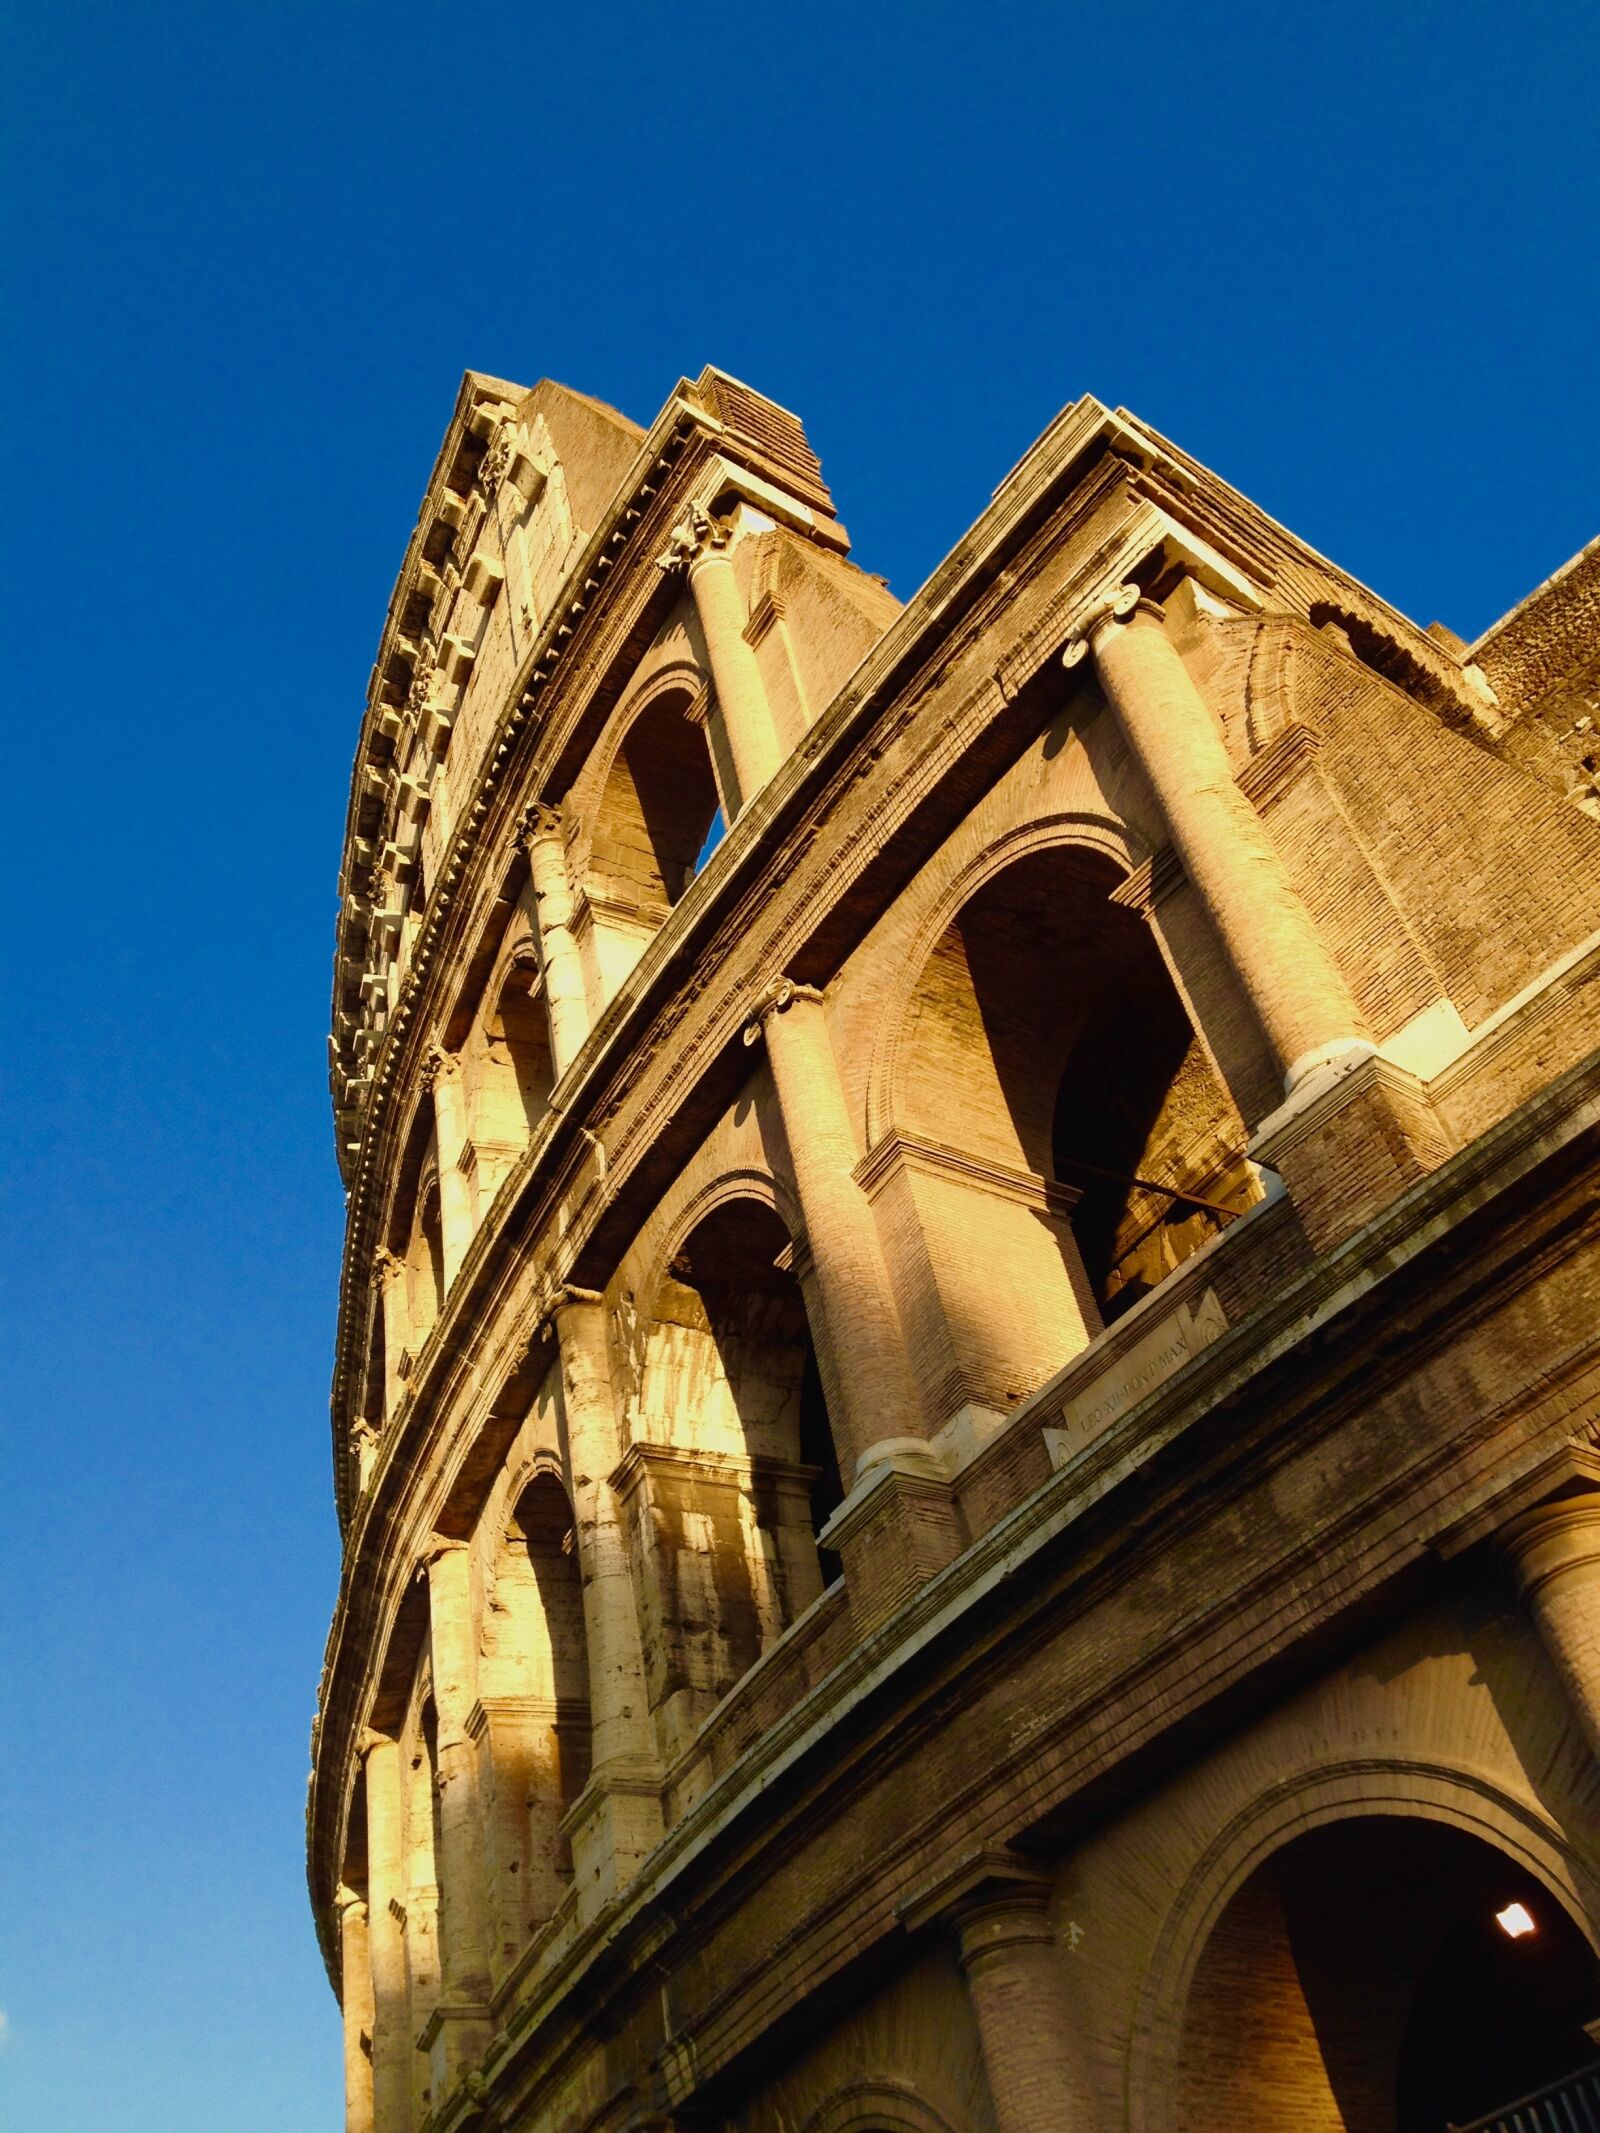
point(967, 1414)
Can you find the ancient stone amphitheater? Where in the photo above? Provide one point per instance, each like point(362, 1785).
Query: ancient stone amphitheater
point(969, 1367)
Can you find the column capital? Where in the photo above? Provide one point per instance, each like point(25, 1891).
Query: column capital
point(567, 1296)
point(1516, 1499)
point(778, 997)
point(371, 1738)
point(993, 1888)
point(1120, 604)
point(539, 819)
point(437, 1547)
point(697, 537)
point(1553, 1538)
point(438, 1065)
point(347, 1900)
point(386, 1265)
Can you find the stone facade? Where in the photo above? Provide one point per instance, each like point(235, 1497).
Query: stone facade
point(967, 1413)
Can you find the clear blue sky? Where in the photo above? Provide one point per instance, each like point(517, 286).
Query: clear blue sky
point(1345, 255)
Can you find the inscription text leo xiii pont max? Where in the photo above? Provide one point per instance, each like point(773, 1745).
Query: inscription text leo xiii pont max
point(1122, 1384)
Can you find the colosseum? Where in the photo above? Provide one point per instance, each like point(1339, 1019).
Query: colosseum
point(967, 1404)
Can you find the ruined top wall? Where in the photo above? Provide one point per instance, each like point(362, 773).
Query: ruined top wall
point(1543, 662)
point(534, 497)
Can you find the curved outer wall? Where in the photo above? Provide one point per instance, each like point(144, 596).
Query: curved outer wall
point(969, 1295)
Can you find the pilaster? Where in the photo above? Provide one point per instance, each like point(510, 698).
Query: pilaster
point(616, 1820)
point(460, 2025)
point(356, 2006)
point(457, 1220)
point(386, 1951)
point(896, 1524)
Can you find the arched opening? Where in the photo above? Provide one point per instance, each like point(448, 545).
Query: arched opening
point(737, 1263)
point(534, 1691)
point(508, 1071)
point(737, 1472)
point(411, 1263)
point(518, 1033)
point(1142, 1129)
point(1385, 1974)
point(658, 813)
point(1068, 1130)
point(426, 1258)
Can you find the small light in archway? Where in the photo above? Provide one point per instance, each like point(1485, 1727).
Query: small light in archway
point(1515, 1921)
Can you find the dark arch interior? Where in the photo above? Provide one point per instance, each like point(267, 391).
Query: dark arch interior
point(520, 1023)
point(430, 1224)
point(1046, 1030)
point(1359, 1982)
point(542, 1531)
point(756, 1315)
point(658, 810)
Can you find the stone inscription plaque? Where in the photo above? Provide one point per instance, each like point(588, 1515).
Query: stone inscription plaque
point(1152, 1359)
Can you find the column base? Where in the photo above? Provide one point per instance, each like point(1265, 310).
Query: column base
point(1349, 1139)
point(455, 2037)
point(612, 1826)
point(895, 1529)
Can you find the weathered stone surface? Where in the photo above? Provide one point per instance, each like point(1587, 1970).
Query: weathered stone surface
point(969, 1307)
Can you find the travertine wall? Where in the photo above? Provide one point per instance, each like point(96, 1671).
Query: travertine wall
point(969, 1296)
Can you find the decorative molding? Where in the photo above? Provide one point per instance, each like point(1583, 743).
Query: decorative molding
point(529, 1710)
point(898, 1152)
point(768, 611)
point(741, 1470)
point(1267, 775)
point(696, 536)
point(779, 996)
point(496, 461)
point(698, 709)
point(1150, 883)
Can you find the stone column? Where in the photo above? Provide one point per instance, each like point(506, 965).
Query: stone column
point(566, 1001)
point(355, 2000)
point(700, 548)
point(616, 1820)
point(1555, 1551)
point(389, 1278)
point(462, 1865)
point(999, 1910)
point(1299, 994)
point(872, 1396)
point(386, 1948)
point(456, 1218)
point(896, 1527)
